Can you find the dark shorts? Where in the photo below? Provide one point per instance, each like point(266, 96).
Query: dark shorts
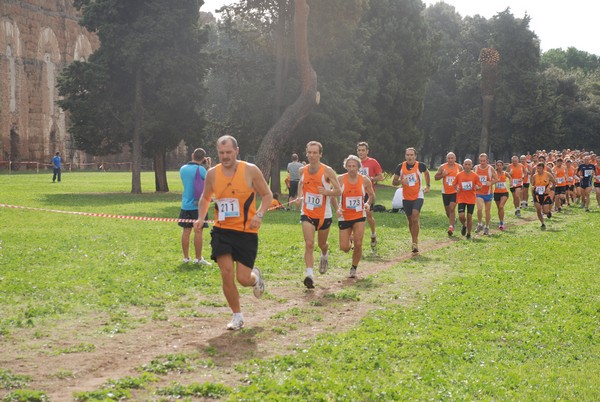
point(342, 225)
point(512, 189)
point(596, 185)
point(543, 199)
point(190, 214)
point(294, 188)
point(585, 183)
point(485, 197)
point(525, 185)
point(577, 184)
point(561, 190)
point(448, 199)
point(409, 205)
point(571, 187)
point(498, 196)
point(241, 245)
point(315, 222)
point(463, 206)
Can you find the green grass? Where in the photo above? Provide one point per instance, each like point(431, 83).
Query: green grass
point(513, 316)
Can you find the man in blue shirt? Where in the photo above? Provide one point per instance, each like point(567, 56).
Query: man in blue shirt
point(56, 167)
point(192, 176)
point(586, 172)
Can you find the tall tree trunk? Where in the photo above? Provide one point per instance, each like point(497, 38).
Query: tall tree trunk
point(160, 171)
point(276, 138)
point(484, 139)
point(136, 142)
point(488, 58)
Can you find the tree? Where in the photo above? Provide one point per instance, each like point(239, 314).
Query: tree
point(143, 86)
point(488, 58)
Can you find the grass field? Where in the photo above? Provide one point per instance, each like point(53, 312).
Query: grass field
point(510, 316)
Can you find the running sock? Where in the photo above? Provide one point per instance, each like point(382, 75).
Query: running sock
point(309, 272)
point(354, 266)
point(238, 315)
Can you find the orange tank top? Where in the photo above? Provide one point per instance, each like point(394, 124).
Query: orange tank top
point(315, 205)
point(541, 184)
point(517, 173)
point(500, 186)
point(353, 196)
point(485, 177)
point(561, 177)
point(570, 176)
point(412, 190)
point(448, 185)
point(235, 201)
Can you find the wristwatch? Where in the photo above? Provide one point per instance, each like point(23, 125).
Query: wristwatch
point(260, 214)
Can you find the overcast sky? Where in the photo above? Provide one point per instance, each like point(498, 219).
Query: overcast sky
point(558, 24)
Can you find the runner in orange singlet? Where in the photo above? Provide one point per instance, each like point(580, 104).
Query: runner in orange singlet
point(560, 175)
point(408, 174)
point(466, 183)
point(500, 192)
point(352, 209)
point(234, 237)
point(448, 172)
point(487, 177)
point(571, 173)
point(318, 182)
point(529, 168)
point(540, 188)
point(372, 169)
point(517, 173)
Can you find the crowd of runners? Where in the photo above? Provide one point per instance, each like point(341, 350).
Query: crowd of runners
point(551, 180)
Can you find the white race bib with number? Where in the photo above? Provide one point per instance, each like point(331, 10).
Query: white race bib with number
point(517, 182)
point(483, 180)
point(228, 208)
point(540, 189)
point(467, 185)
point(449, 180)
point(588, 172)
point(412, 179)
point(501, 185)
point(313, 201)
point(354, 203)
point(560, 180)
point(364, 170)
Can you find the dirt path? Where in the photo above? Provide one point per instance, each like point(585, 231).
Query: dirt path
point(273, 327)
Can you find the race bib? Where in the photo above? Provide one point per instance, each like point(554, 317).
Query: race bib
point(571, 178)
point(228, 208)
point(588, 172)
point(560, 180)
point(501, 185)
point(364, 170)
point(412, 179)
point(312, 201)
point(467, 185)
point(449, 180)
point(540, 190)
point(483, 180)
point(354, 203)
point(517, 182)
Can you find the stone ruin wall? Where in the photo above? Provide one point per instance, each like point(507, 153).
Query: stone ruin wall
point(38, 38)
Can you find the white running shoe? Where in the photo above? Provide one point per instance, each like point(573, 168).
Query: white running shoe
point(486, 231)
point(323, 264)
point(479, 228)
point(236, 323)
point(259, 287)
point(186, 260)
point(202, 261)
point(352, 273)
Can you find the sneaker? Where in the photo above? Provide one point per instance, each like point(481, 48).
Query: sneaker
point(549, 214)
point(202, 261)
point(587, 210)
point(373, 241)
point(352, 273)
point(186, 260)
point(468, 236)
point(235, 324)
point(486, 231)
point(259, 287)
point(501, 227)
point(479, 228)
point(308, 282)
point(518, 213)
point(543, 227)
point(450, 230)
point(323, 264)
point(463, 231)
point(415, 248)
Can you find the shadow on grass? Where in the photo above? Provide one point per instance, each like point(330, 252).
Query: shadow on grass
point(239, 345)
